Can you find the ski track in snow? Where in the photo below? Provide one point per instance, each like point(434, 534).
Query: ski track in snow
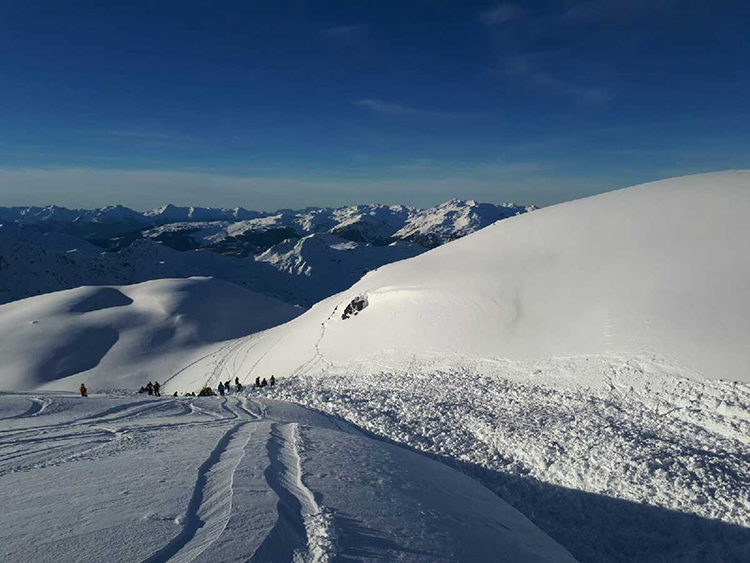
point(300, 517)
point(91, 436)
point(211, 503)
point(113, 429)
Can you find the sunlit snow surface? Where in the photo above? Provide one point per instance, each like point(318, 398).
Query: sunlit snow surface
point(616, 458)
point(135, 478)
point(571, 359)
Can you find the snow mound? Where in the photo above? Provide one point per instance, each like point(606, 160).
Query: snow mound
point(657, 269)
point(123, 336)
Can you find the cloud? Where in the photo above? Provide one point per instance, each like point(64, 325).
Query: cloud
point(525, 67)
point(391, 109)
point(500, 14)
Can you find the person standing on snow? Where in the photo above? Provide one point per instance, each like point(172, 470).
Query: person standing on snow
point(273, 381)
point(221, 388)
point(150, 388)
point(156, 389)
point(238, 384)
point(257, 381)
point(83, 390)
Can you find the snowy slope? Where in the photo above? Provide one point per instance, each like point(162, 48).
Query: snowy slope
point(329, 261)
point(122, 336)
point(231, 479)
point(568, 358)
point(655, 268)
point(454, 219)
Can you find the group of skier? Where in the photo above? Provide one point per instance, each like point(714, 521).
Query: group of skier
point(224, 387)
point(264, 383)
point(151, 389)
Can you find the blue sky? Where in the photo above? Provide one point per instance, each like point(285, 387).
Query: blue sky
point(270, 105)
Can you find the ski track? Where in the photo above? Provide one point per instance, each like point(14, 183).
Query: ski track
point(206, 517)
point(198, 360)
point(37, 407)
point(57, 444)
point(302, 532)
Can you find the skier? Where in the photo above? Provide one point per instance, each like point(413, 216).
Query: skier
point(156, 389)
point(238, 384)
point(221, 388)
point(257, 381)
point(83, 390)
point(273, 381)
point(150, 388)
point(264, 382)
point(226, 386)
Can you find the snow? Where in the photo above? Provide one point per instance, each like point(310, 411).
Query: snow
point(585, 363)
point(593, 353)
point(454, 219)
point(290, 255)
point(229, 479)
point(123, 336)
point(646, 465)
point(649, 269)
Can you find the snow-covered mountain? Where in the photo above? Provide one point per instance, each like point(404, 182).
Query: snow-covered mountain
point(122, 336)
point(569, 359)
point(454, 219)
point(172, 214)
point(298, 256)
point(173, 225)
point(653, 268)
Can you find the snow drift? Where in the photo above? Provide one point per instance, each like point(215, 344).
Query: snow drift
point(124, 335)
point(658, 268)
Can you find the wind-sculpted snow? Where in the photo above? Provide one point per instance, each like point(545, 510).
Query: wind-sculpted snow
point(643, 466)
point(120, 478)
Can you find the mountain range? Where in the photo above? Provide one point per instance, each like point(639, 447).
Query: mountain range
point(299, 256)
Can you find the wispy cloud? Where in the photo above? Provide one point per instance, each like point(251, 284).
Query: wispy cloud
point(524, 66)
point(500, 14)
point(395, 110)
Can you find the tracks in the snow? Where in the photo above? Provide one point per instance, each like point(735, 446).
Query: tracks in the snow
point(211, 503)
point(297, 528)
point(301, 524)
point(301, 529)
